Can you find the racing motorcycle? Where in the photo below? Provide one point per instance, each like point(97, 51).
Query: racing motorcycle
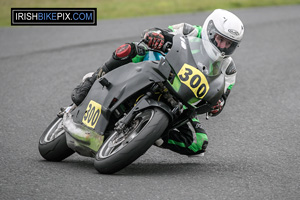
point(130, 108)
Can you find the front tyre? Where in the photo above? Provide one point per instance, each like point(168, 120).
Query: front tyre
point(52, 144)
point(120, 150)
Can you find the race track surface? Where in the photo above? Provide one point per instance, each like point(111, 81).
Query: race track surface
point(253, 151)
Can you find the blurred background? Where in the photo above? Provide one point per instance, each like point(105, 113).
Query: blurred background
point(111, 9)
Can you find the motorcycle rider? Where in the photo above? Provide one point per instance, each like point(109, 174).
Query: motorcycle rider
point(222, 32)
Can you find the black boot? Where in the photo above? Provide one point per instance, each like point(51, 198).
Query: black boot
point(80, 92)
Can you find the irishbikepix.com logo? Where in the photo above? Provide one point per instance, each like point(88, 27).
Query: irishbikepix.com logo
point(53, 16)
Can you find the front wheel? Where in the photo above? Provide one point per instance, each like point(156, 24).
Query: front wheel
point(120, 150)
point(52, 144)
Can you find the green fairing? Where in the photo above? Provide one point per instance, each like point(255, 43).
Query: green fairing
point(176, 84)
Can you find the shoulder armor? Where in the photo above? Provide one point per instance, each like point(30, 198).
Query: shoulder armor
point(228, 66)
point(231, 69)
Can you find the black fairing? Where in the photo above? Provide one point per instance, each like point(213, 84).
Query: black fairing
point(124, 82)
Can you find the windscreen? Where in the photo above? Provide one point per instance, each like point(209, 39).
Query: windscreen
point(204, 63)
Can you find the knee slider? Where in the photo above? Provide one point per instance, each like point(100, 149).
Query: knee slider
point(204, 146)
point(198, 127)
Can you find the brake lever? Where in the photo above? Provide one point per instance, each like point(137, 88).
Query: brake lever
point(165, 47)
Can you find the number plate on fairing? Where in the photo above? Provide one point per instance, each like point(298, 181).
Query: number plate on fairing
point(92, 114)
point(194, 79)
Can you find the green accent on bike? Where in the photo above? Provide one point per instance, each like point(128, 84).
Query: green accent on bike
point(201, 137)
point(176, 84)
point(181, 144)
point(214, 68)
point(138, 58)
point(195, 51)
point(193, 100)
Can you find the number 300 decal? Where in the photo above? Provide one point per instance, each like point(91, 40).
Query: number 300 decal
point(92, 114)
point(194, 79)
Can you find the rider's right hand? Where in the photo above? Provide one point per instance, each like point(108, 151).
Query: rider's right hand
point(154, 40)
point(216, 109)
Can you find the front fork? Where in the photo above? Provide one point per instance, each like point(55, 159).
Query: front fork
point(123, 122)
point(147, 101)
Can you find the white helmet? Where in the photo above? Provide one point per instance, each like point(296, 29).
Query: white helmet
point(223, 23)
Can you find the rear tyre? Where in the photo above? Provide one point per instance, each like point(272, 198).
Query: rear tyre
point(52, 144)
point(120, 150)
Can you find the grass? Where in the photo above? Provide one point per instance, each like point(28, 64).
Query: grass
point(111, 9)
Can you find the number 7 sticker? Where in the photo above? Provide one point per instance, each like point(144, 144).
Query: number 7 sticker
point(194, 79)
point(92, 114)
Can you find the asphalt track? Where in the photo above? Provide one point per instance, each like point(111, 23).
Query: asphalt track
point(253, 148)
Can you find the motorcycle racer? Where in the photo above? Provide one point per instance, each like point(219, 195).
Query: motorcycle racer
point(221, 32)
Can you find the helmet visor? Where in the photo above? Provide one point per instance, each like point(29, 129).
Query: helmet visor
point(225, 44)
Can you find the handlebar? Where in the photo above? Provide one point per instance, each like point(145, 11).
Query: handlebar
point(166, 47)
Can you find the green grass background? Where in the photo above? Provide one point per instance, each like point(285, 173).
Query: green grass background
point(110, 9)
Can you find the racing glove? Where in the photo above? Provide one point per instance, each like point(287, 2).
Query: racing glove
point(154, 40)
point(216, 109)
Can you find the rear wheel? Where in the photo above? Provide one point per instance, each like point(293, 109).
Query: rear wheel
point(120, 150)
point(52, 144)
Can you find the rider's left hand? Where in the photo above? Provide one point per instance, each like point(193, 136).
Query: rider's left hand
point(154, 40)
point(217, 108)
